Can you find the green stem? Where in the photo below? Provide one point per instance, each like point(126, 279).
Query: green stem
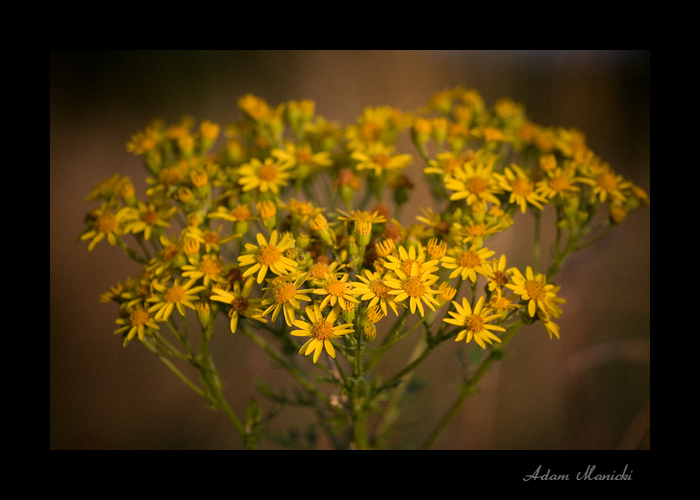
point(538, 244)
point(357, 412)
point(469, 386)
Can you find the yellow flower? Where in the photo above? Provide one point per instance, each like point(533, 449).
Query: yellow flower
point(608, 184)
point(209, 268)
point(302, 157)
point(535, 289)
point(267, 176)
point(321, 330)
point(241, 304)
point(285, 295)
point(415, 287)
point(475, 231)
point(560, 182)
point(474, 322)
point(138, 322)
point(405, 260)
point(168, 298)
point(467, 263)
point(150, 217)
point(379, 158)
point(267, 256)
point(301, 211)
point(336, 290)
point(372, 287)
point(254, 107)
point(521, 188)
point(499, 275)
point(144, 141)
point(474, 182)
point(107, 224)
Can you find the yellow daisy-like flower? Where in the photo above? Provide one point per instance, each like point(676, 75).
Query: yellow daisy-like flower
point(336, 291)
point(301, 211)
point(560, 182)
point(302, 157)
point(406, 258)
point(415, 287)
point(468, 263)
point(209, 268)
point(137, 323)
point(501, 303)
point(168, 298)
point(107, 224)
point(150, 217)
point(267, 176)
point(499, 275)
point(285, 295)
point(372, 287)
point(267, 256)
point(474, 322)
point(239, 213)
point(379, 158)
point(241, 304)
point(535, 289)
point(359, 216)
point(474, 182)
point(321, 330)
point(521, 188)
point(475, 231)
point(608, 184)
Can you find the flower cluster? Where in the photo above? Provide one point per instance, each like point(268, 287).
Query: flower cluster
point(255, 236)
point(292, 227)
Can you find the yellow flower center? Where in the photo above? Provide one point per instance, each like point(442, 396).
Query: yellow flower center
point(267, 172)
point(379, 289)
point(535, 290)
point(474, 323)
point(322, 330)
point(319, 270)
point(500, 303)
point(477, 229)
point(149, 217)
point(211, 266)
point(174, 294)
point(239, 304)
point(284, 293)
point(414, 287)
point(107, 223)
point(268, 255)
point(303, 156)
point(381, 159)
point(451, 164)
point(170, 176)
point(370, 131)
point(336, 288)
point(559, 184)
point(469, 259)
point(138, 317)
point(607, 181)
point(500, 278)
point(211, 238)
point(477, 184)
point(170, 252)
point(521, 187)
point(241, 212)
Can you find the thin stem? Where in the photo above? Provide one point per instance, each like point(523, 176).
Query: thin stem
point(357, 412)
point(538, 244)
point(469, 386)
point(175, 369)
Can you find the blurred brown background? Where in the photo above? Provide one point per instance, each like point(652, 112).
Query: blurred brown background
point(589, 390)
